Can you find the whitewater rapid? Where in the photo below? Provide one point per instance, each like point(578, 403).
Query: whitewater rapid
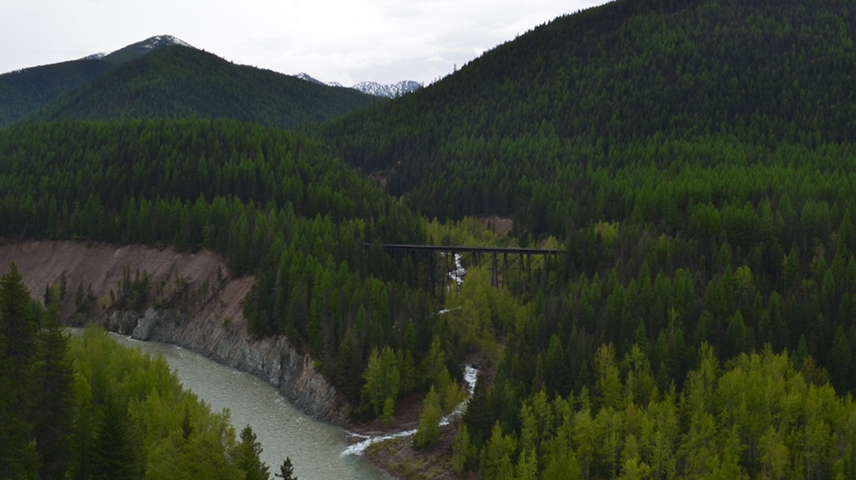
point(471, 375)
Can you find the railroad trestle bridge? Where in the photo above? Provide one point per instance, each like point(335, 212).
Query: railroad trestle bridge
point(445, 263)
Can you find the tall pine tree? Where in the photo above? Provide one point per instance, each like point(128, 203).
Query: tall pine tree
point(18, 457)
point(247, 456)
point(53, 397)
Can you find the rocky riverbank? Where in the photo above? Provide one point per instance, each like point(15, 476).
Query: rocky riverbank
point(216, 327)
point(273, 360)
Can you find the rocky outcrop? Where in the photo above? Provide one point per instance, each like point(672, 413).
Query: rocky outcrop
point(271, 359)
point(216, 329)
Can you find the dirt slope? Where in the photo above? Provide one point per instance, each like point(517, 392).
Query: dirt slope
point(101, 265)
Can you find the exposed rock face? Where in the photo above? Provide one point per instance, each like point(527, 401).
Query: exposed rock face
point(216, 329)
point(271, 359)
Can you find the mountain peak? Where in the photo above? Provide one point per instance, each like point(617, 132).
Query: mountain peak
point(95, 56)
point(306, 77)
point(390, 91)
point(159, 41)
point(371, 88)
point(150, 44)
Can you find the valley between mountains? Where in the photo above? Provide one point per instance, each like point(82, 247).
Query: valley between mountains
point(689, 164)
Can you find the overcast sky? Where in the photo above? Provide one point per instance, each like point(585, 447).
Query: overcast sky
point(332, 40)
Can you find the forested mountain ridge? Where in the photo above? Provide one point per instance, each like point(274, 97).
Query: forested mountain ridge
point(268, 199)
point(513, 130)
point(697, 158)
point(25, 91)
point(104, 165)
point(183, 82)
point(694, 156)
point(28, 90)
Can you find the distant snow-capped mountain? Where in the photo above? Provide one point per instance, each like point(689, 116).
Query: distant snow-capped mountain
point(372, 88)
point(391, 91)
point(138, 49)
point(305, 76)
point(164, 41)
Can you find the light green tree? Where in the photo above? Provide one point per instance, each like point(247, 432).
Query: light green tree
point(464, 452)
point(428, 433)
point(496, 456)
point(382, 382)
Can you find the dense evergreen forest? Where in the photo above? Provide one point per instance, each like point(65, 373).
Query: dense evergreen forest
point(693, 158)
point(28, 90)
point(537, 127)
point(86, 408)
point(697, 159)
point(269, 200)
point(182, 82)
point(25, 91)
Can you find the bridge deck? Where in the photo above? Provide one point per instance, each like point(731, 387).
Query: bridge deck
point(462, 249)
point(498, 259)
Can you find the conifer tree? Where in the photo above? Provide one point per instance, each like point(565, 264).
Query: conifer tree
point(286, 470)
point(247, 456)
point(18, 457)
point(53, 396)
point(478, 417)
point(429, 421)
point(114, 455)
point(464, 452)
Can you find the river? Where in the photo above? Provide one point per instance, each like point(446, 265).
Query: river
point(316, 448)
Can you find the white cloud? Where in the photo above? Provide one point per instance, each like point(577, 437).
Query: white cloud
point(332, 40)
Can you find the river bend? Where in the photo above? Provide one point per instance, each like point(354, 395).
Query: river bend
point(316, 448)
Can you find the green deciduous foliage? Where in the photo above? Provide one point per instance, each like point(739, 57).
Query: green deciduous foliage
point(718, 427)
point(465, 453)
point(428, 432)
point(132, 419)
point(496, 456)
point(382, 380)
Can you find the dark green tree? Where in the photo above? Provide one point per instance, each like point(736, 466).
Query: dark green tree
point(247, 456)
point(18, 332)
point(286, 470)
point(114, 453)
point(53, 397)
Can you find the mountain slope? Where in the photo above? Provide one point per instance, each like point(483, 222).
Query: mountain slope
point(498, 135)
point(184, 82)
point(25, 91)
point(270, 200)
